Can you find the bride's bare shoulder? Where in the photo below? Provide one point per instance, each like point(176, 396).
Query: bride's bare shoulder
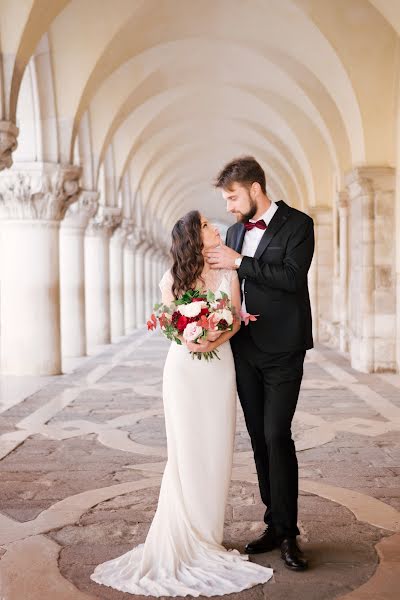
point(230, 274)
point(167, 278)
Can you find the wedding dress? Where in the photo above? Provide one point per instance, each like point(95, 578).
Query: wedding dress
point(183, 552)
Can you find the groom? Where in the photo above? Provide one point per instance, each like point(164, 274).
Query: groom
point(271, 246)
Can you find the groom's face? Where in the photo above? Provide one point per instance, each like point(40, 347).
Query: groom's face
point(240, 201)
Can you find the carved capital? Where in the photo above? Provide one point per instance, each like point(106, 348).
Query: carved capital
point(322, 215)
point(105, 221)
point(365, 181)
point(79, 213)
point(342, 199)
point(44, 191)
point(8, 143)
point(123, 232)
point(137, 238)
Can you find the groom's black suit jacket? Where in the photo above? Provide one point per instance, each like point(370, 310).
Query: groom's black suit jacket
point(276, 281)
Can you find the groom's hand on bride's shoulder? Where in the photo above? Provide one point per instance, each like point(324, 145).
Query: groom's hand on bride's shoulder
point(222, 257)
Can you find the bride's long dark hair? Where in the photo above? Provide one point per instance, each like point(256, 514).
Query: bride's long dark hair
point(187, 253)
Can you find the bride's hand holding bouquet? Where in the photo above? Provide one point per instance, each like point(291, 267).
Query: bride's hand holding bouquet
point(196, 319)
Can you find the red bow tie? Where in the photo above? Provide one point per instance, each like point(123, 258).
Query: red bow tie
point(259, 224)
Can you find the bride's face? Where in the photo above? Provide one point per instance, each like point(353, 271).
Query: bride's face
point(209, 234)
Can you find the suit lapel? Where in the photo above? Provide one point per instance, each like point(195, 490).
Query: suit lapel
point(279, 218)
point(239, 237)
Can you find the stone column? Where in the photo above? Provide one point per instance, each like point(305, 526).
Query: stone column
point(32, 204)
point(97, 274)
point(372, 306)
point(8, 143)
point(335, 323)
point(397, 230)
point(129, 282)
point(343, 296)
point(164, 265)
point(140, 284)
point(148, 278)
point(321, 274)
point(153, 277)
point(117, 296)
point(156, 276)
point(72, 273)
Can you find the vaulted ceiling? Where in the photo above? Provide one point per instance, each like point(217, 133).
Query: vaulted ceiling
point(165, 91)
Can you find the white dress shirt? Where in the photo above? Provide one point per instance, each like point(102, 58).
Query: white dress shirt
point(253, 237)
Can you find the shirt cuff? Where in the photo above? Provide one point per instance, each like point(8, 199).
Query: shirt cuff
point(238, 261)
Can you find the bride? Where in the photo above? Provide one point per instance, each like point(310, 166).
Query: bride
point(183, 552)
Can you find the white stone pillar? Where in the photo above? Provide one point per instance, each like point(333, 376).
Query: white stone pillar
point(129, 282)
point(372, 294)
point(156, 276)
point(397, 234)
point(335, 324)
point(321, 275)
point(72, 273)
point(8, 143)
point(32, 203)
point(343, 299)
point(154, 294)
point(148, 279)
point(117, 294)
point(164, 265)
point(140, 284)
point(97, 275)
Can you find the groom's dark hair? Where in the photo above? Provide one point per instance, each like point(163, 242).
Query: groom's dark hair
point(244, 170)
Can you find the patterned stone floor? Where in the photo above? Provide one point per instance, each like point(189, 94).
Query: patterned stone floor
point(81, 458)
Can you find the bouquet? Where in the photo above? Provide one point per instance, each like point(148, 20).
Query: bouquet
point(193, 316)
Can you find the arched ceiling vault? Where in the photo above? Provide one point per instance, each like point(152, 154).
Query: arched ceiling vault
point(172, 89)
point(151, 158)
point(169, 106)
point(178, 179)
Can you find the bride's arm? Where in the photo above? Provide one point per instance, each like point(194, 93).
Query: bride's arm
point(235, 298)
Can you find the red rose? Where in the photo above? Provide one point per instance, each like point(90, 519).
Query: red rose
point(223, 325)
point(204, 311)
point(181, 324)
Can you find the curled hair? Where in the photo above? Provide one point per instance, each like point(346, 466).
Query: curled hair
point(244, 170)
point(186, 250)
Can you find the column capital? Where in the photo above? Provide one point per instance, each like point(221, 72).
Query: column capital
point(137, 238)
point(105, 221)
point(342, 201)
point(79, 213)
point(39, 191)
point(320, 214)
point(8, 143)
point(123, 231)
point(363, 181)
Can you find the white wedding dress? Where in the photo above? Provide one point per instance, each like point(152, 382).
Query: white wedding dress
point(183, 552)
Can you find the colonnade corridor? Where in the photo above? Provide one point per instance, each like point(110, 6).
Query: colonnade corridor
point(82, 460)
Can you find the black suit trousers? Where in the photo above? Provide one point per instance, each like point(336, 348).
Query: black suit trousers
point(268, 386)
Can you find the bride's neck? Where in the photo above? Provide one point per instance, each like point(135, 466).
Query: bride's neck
point(206, 269)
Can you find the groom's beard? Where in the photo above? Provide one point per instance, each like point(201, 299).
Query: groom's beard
point(245, 217)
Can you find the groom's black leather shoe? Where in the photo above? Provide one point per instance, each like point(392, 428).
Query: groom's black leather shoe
point(266, 542)
point(290, 553)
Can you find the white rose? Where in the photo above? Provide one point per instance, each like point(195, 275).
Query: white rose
point(225, 315)
point(191, 332)
point(191, 310)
